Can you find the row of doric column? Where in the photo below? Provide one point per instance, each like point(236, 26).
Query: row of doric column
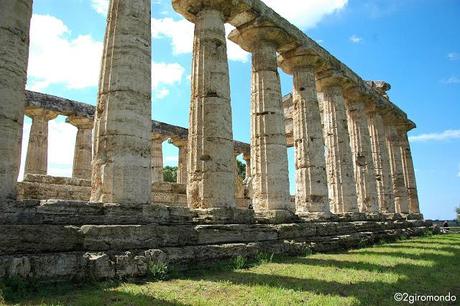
point(351, 155)
point(349, 158)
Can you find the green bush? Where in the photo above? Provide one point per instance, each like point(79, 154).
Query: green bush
point(264, 258)
point(239, 262)
point(170, 174)
point(158, 271)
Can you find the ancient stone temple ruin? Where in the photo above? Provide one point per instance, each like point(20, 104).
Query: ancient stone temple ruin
point(355, 181)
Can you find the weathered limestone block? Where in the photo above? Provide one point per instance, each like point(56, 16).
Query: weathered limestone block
point(123, 124)
point(210, 148)
point(14, 54)
point(409, 174)
point(326, 228)
point(212, 234)
point(295, 230)
point(366, 185)
point(311, 182)
point(381, 160)
point(30, 238)
point(395, 152)
point(37, 150)
point(83, 153)
point(123, 237)
point(269, 163)
point(339, 162)
point(157, 159)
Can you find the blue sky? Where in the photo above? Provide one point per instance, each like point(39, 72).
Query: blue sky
point(412, 44)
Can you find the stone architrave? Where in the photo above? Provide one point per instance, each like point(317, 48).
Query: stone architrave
point(361, 148)
point(210, 147)
point(409, 173)
point(122, 130)
point(310, 163)
point(396, 164)
point(15, 18)
point(269, 162)
point(37, 149)
point(83, 153)
point(339, 161)
point(381, 159)
point(157, 159)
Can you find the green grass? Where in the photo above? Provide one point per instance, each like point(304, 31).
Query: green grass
point(369, 276)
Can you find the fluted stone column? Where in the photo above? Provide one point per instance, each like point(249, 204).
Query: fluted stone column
point(396, 165)
point(361, 148)
point(311, 177)
point(37, 150)
point(381, 160)
point(83, 153)
point(269, 162)
point(211, 173)
point(339, 161)
point(123, 124)
point(157, 159)
point(182, 172)
point(409, 173)
point(247, 159)
point(14, 53)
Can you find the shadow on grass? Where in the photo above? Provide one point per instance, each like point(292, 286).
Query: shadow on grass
point(90, 294)
point(440, 277)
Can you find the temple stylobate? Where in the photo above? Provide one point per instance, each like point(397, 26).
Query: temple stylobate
point(354, 176)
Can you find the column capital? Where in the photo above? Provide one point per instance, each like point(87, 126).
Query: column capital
point(84, 123)
point(331, 78)
point(298, 59)
point(258, 33)
point(33, 112)
point(190, 9)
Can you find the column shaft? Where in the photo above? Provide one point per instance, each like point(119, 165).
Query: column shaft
point(366, 187)
point(182, 172)
point(14, 53)
point(123, 125)
point(269, 165)
point(381, 162)
point(211, 176)
point(37, 149)
point(157, 160)
point(83, 147)
point(397, 172)
point(409, 174)
point(311, 181)
point(339, 162)
point(247, 159)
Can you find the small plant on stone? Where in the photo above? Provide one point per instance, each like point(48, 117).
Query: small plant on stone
point(158, 271)
point(239, 262)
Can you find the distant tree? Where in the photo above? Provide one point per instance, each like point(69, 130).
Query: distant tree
point(170, 174)
point(241, 169)
point(458, 213)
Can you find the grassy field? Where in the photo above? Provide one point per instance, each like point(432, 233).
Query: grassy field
point(370, 276)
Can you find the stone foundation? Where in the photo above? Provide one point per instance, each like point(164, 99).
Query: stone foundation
point(112, 241)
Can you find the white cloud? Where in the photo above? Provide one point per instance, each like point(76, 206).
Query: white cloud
point(356, 39)
point(181, 34)
point(451, 80)
point(442, 136)
point(61, 145)
point(161, 93)
point(57, 58)
point(453, 56)
point(100, 6)
point(306, 14)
